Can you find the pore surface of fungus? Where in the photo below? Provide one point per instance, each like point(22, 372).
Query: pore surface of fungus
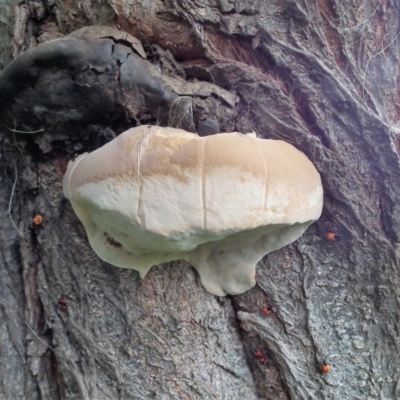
point(220, 202)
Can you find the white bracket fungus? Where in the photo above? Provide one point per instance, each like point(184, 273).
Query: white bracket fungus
point(220, 202)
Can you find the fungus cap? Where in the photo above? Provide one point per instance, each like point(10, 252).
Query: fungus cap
point(220, 202)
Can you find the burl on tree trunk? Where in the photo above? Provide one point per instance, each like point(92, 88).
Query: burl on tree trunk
point(322, 321)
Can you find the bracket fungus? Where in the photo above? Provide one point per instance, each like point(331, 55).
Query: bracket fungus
point(220, 202)
point(91, 76)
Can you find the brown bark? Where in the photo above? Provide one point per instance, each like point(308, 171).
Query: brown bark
point(322, 75)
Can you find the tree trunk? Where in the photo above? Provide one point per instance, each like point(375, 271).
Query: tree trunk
point(322, 75)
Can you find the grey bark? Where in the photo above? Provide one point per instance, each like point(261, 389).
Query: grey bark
point(322, 75)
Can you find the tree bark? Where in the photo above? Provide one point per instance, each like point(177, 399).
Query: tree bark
point(322, 75)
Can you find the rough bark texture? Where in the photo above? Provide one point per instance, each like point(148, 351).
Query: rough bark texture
point(322, 75)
